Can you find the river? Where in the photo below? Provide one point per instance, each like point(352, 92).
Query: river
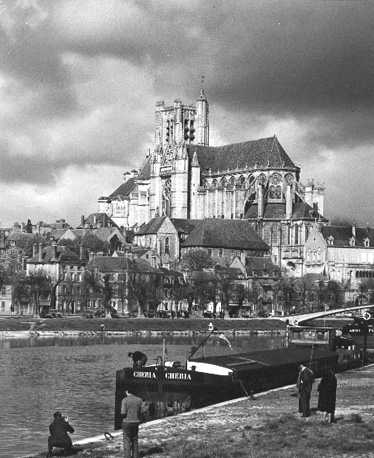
point(77, 376)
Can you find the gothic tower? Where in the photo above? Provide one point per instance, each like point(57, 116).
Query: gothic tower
point(202, 120)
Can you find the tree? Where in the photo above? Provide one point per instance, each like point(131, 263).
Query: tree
point(21, 290)
point(144, 288)
point(90, 287)
point(107, 296)
point(40, 287)
point(73, 245)
point(196, 260)
point(28, 227)
point(26, 243)
point(92, 243)
point(367, 288)
point(30, 289)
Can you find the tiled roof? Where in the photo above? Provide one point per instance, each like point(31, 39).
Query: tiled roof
point(261, 264)
point(225, 233)
point(107, 264)
point(20, 236)
point(64, 255)
point(57, 233)
point(185, 225)
point(343, 234)
point(124, 189)
point(265, 152)
point(103, 233)
point(152, 226)
point(277, 210)
point(145, 172)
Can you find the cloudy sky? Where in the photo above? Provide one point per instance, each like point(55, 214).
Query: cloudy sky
point(79, 80)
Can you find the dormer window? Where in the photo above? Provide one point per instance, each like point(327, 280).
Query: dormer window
point(367, 242)
point(352, 241)
point(330, 240)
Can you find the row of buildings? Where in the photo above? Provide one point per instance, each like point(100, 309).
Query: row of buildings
point(186, 188)
point(243, 204)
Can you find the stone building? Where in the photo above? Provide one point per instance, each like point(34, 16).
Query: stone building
point(341, 253)
point(224, 240)
point(6, 307)
point(185, 178)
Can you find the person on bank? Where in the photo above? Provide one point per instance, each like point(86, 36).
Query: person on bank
point(304, 387)
point(59, 434)
point(131, 410)
point(327, 395)
point(139, 359)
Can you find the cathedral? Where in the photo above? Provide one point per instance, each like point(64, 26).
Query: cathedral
point(184, 177)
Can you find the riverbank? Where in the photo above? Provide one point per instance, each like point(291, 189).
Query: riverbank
point(266, 426)
point(75, 326)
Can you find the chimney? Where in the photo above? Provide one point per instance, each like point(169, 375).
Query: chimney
point(354, 230)
point(260, 201)
point(40, 252)
point(34, 250)
point(54, 251)
point(82, 221)
point(288, 202)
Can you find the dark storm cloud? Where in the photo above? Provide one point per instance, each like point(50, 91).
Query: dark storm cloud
point(309, 62)
point(301, 59)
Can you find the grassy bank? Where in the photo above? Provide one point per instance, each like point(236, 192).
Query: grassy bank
point(267, 426)
point(137, 324)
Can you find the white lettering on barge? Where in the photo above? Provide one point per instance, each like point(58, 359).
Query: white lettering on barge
point(144, 374)
point(177, 376)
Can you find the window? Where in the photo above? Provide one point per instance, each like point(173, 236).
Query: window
point(2, 306)
point(330, 240)
point(220, 252)
point(3, 290)
point(167, 248)
point(366, 243)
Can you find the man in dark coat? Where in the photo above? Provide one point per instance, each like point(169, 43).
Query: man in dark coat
point(327, 395)
point(59, 437)
point(139, 359)
point(131, 410)
point(304, 386)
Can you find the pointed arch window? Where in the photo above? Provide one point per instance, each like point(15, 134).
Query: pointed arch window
point(330, 240)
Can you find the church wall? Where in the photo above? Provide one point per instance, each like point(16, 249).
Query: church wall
point(179, 190)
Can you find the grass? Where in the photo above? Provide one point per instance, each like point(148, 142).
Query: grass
point(138, 324)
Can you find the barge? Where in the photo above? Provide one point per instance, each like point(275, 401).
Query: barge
point(170, 388)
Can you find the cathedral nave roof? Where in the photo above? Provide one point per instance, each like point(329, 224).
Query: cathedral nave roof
point(225, 233)
point(262, 153)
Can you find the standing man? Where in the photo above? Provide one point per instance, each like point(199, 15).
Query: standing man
point(304, 386)
point(131, 411)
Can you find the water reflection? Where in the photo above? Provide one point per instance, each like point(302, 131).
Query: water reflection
point(77, 376)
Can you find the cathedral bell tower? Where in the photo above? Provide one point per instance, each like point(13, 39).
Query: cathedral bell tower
point(202, 119)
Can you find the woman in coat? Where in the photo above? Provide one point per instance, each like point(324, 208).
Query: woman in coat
point(327, 395)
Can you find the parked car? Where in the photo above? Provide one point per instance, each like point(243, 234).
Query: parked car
point(101, 313)
point(47, 312)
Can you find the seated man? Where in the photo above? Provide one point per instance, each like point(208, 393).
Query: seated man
point(59, 437)
point(139, 359)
